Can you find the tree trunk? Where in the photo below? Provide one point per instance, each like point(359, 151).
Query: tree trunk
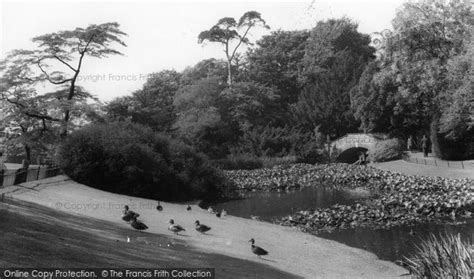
point(435, 147)
point(63, 129)
point(229, 73)
point(27, 152)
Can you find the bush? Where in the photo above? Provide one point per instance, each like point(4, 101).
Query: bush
point(446, 257)
point(281, 142)
point(130, 159)
point(386, 150)
point(250, 162)
point(311, 153)
point(239, 162)
point(270, 162)
point(312, 150)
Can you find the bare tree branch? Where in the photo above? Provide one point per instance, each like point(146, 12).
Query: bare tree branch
point(65, 63)
point(48, 78)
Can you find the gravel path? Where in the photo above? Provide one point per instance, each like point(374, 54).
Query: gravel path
point(425, 170)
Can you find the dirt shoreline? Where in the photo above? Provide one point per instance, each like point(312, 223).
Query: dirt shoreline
point(290, 250)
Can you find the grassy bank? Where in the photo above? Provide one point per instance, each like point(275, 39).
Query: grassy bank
point(34, 235)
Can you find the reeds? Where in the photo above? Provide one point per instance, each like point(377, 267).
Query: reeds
point(444, 257)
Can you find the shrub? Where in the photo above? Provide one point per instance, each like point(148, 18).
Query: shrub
point(239, 162)
point(311, 153)
point(130, 159)
point(386, 150)
point(270, 162)
point(250, 162)
point(444, 257)
point(312, 150)
point(266, 141)
point(281, 142)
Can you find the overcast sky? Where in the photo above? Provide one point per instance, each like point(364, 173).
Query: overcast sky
point(163, 35)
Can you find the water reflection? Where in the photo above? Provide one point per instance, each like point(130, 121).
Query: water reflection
point(268, 206)
point(394, 243)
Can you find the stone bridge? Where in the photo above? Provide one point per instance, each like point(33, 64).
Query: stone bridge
point(346, 149)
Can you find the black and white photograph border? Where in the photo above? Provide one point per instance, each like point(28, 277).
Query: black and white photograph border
point(237, 139)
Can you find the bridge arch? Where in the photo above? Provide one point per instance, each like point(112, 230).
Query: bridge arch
point(344, 148)
point(350, 155)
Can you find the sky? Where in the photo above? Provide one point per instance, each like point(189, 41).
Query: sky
point(163, 34)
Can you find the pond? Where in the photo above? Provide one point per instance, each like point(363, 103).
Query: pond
point(388, 244)
point(271, 205)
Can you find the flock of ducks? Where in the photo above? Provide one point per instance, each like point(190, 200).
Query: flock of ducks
point(132, 218)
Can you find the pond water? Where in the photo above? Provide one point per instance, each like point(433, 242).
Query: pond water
point(271, 205)
point(395, 243)
point(388, 244)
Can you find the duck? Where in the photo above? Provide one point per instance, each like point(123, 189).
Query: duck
point(223, 212)
point(175, 228)
point(201, 227)
point(188, 208)
point(138, 225)
point(159, 207)
point(218, 214)
point(210, 210)
point(256, 249)
point(128, 215)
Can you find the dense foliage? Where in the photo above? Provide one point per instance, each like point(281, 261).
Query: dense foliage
point(35, 121)
point(335, 56)
point(131, 159)
point(386, 150)
point(239, 162)
point(423, 79)
point(287, 95)
point(152, 105)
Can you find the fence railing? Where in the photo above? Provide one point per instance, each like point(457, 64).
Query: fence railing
point(14, 177)
point(429, 161)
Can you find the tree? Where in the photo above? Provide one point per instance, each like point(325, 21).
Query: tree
point(427, 35)
point(249, 104)
point(23, 134)
point(199, 118)
point(374, 104)
point(457, 117)
point(152, 105)
point(205, 69)
point(457, 114)
point(228, 30)
point(276, 61)
point(32, 120)
point(197, 107)
point(336, 55)
point(64, 51)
